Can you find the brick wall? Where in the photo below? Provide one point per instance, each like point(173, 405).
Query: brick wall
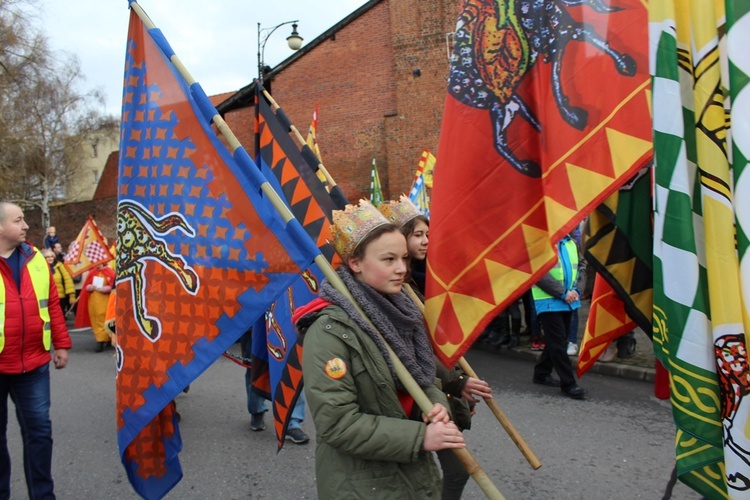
point(370, 103)
point(68, 220)
point(419, 28)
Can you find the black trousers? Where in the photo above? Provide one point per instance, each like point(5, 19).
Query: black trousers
point(455, 475)
point(555, 326)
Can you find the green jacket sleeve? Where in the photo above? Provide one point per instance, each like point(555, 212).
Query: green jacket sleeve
point(382, 433)
point(453, 380)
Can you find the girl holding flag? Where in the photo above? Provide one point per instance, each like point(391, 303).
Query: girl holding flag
point(460, 389)
point(372, 440)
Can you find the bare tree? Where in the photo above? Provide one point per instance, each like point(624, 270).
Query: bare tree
point(44, 117)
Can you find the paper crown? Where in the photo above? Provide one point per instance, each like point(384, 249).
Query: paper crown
point(399, 212)
point(351, 225)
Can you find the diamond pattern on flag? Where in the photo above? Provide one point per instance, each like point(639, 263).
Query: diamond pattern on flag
point(74, 253)
point(95, 251)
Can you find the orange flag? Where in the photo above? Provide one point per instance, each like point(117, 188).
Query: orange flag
point(607, 322)
point(88, 250)
point(535, 134)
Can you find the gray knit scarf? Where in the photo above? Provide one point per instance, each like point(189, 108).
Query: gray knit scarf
point(396, 318)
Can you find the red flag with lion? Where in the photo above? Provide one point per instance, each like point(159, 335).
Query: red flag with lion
point(546, 115)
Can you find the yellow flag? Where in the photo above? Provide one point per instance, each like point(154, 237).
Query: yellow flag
point(429, 169)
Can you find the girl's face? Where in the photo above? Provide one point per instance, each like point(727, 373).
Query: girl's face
point(383, 265)
point(417, 241)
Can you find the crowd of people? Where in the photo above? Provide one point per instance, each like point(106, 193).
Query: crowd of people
point(86, 295)
point(364, 339)
point(36, 292)
point(372, 439)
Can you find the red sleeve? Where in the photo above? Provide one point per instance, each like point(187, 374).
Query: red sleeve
point(60, 335)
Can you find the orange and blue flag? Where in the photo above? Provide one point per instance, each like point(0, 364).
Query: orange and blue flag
point(201, 254)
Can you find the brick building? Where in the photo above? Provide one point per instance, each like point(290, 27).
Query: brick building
point(379, 78)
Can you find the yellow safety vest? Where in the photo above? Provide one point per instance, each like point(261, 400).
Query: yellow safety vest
point(39, 272)
point(570, 260)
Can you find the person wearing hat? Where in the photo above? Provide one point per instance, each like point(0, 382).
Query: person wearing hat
point(461, 390)
point(372, 439)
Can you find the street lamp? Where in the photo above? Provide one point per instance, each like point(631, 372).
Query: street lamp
point(294, 41)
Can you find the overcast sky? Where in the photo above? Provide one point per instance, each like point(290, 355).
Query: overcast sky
point(215, 39)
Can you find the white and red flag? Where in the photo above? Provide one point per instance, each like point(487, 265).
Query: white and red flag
point(88, 250)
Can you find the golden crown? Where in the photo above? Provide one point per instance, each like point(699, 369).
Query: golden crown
point(351, 225)
point(399, 212)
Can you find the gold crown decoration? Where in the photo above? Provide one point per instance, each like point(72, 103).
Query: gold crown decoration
point(351, 225)
point(399, 212)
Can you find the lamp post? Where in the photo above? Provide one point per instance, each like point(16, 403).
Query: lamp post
point(294, 41)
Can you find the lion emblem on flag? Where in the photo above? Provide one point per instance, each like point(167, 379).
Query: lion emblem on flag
point(734, 379)
point(138, 243)
point(497, 42)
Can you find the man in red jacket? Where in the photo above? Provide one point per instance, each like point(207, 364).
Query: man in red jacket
point(31, 321)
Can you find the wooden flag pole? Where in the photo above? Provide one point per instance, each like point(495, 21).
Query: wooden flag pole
point(484, 482)
point(301, 140)
point(491, 403)
point(504, 421)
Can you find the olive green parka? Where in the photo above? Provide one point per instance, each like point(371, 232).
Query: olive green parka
point(366, 446)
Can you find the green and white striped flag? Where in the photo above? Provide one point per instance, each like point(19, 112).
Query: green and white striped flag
point(376, 191)
point(700, 317)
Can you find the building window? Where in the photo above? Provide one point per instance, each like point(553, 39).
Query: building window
point(96, 176)
point(449, 44)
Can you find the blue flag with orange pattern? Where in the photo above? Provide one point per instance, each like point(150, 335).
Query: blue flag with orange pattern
point(201, 254)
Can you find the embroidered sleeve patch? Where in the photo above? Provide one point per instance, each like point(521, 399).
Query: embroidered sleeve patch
point(335, 368)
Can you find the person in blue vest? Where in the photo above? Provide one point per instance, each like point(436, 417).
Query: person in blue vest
point(31, 323)
point(556, 296)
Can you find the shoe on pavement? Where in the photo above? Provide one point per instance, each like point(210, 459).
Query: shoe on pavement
point(256, 422)
point(609, 354)
point(572, 349)
point(297, 436)
point(500, 341)
point(549, 381)
point(537, 345)
point(575, 391)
